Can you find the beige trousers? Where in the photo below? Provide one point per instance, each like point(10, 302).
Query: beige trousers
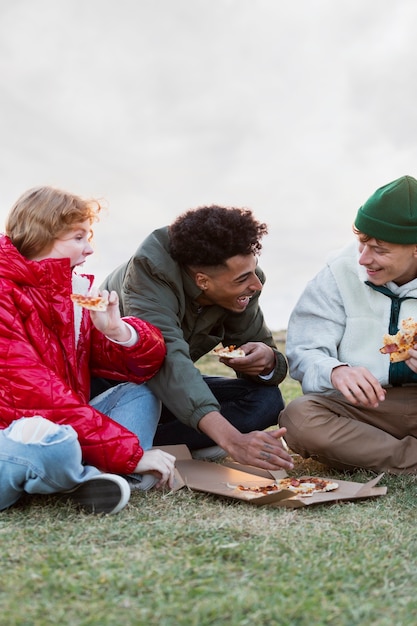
point(333, 431)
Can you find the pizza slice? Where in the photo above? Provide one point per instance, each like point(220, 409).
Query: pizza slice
point(398, 345)
point(92, 303)
point(229, 352)
point(308, 486)
point(302, 487)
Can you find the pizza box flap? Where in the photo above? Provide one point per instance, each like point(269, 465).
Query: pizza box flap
point(257, 471)
point(370, 486)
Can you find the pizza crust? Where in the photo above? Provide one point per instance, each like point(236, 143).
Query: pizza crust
point(92, 303)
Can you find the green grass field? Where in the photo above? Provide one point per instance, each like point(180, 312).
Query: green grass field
point(186, 558)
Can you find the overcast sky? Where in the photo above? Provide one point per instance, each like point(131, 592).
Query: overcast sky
point(297, 109)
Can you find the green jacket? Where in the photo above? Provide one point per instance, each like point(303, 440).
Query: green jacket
point(152, 286)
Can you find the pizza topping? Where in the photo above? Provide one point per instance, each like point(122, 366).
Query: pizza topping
point(303, 487)
point(93, 303)
point(398, 345)
point(389, 348)
point(229, 352)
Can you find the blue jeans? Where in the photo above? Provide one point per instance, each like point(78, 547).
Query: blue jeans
point(133, 406)
point(39, 456)
point(47, 460)
point(245, 404)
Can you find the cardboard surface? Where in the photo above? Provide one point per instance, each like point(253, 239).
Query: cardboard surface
point(223, 479)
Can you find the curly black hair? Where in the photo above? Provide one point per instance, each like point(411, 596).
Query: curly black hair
point(209, 235)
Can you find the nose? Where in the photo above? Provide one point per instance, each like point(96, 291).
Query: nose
point(88, 249)
point(365, 256)
point(256, 284)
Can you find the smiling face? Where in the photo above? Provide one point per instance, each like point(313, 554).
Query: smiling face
point(230, 286)
point(386, 262)
point(74, 244)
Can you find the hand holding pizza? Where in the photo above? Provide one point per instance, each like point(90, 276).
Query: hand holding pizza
point(400, 347)
point(259, 359)
point(105, 313)
point(412, 359)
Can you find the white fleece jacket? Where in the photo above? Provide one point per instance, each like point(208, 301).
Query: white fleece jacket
point(341, 320)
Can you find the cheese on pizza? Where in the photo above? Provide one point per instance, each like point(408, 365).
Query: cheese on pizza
point(303, 487)
point(398, 345)
point(93, 303)
point(230, 352)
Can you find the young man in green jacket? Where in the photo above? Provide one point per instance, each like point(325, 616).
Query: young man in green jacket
point(198, 281)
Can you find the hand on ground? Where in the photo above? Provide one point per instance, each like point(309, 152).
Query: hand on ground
point(159, 463)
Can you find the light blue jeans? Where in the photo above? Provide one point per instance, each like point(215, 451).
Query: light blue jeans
point(133, 406)
point(39, 456)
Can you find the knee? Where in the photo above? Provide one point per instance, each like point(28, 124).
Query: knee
point(293, 413)
point(38, 430)
point(273, 397)
point(300, 428)
point(309, 425)
point(268, 404)
point(32, 429)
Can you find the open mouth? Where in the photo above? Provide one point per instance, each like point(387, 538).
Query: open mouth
point(244, 300)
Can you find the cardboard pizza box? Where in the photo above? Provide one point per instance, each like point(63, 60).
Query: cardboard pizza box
point(223, 479)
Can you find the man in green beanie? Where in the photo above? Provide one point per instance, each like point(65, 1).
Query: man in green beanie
point(359, 409)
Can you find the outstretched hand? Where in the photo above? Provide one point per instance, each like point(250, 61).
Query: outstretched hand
point(262, 448)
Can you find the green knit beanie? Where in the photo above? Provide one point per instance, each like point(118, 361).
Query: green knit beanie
point(390, 214)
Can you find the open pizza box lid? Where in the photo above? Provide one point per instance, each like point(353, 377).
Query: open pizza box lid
point(222, 480)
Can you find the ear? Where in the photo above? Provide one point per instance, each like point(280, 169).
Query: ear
point(201, 280)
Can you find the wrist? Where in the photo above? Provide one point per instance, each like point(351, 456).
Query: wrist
point(222, 432)
point(270, 367)
point(123, 334)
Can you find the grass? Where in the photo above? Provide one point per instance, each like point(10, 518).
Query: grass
point(197, 560)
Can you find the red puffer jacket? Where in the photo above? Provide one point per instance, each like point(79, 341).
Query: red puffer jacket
point(43, 372)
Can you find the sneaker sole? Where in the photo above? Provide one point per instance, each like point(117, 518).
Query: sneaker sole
point(107, 494)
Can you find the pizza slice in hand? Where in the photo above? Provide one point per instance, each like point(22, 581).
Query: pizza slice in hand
point(230, 352)
point(92, 303)
point(398, 345)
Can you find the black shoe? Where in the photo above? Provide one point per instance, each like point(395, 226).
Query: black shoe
point(104, 493)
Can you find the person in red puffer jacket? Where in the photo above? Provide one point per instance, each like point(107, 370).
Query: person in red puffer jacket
point(50, 348)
